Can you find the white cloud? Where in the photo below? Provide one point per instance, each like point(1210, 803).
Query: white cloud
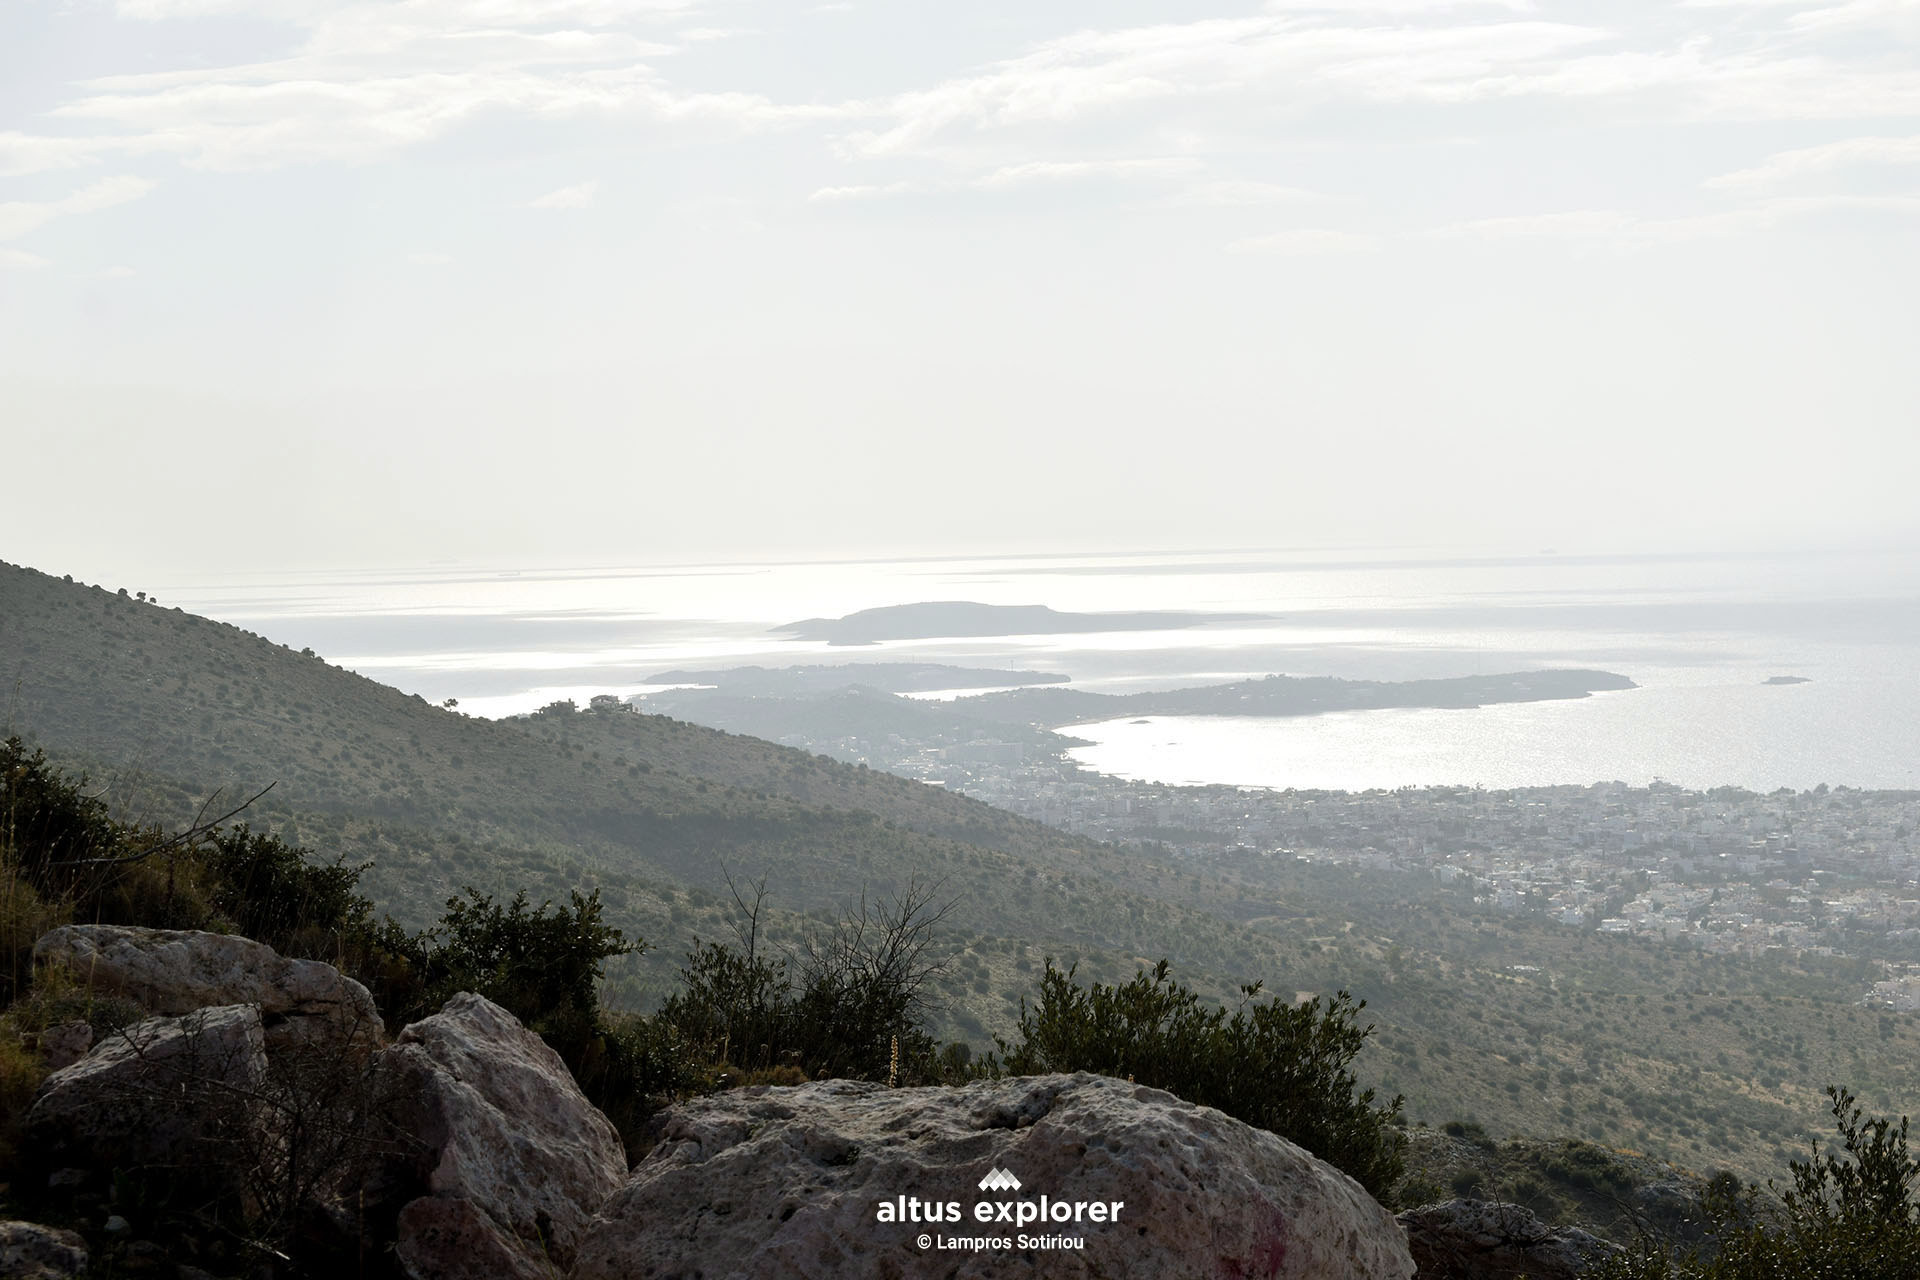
point(22, 153)
point(1304, 241)
point(1784, 167)
point(429, 259)
point(578, 196)
point(1282, 60)
point(864, 191)
point(1231, 193)
point(1042, 171)
point(369, 77)
point(19, 217)
point(20, 260)
point(1627, 229)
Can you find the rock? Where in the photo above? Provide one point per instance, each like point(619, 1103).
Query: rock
point(1485, 1240)
point(180, 970)
point(29, 1251)
point(514, 1159)
point(67, 1179)
point(66, 1044)
point(116, 1226)
point(841, 1179)
point(167, 1093)
point(143, 1258)
point(455, 1238)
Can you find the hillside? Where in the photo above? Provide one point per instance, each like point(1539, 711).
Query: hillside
point(1516, 1024)
point(171, 706)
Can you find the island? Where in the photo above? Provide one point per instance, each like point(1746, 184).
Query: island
point(941, 619)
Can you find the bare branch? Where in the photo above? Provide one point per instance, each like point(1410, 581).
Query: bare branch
point(190, 834)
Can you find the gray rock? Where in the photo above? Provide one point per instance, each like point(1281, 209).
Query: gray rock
point(836, 1179)
point(66, 1044)
point(29, 1251)
point(167, 1093)
point(180, 970)
point(1486, 1240)
point(514, 1159)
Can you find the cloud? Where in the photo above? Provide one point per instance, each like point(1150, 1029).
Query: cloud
point(1024, 174)
point(578, 196)
point(1283, 60)
point(20, 260)
point(1628, 229)
point(864, 191)
point(1304, 241)
point(1784, 167)
point(19, 217)
point(22, 153)
point(1044, 171)
point(368, 77)
point(429, 259)
point(1233, 193)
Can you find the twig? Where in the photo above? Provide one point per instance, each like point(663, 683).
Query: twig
point(191, 833)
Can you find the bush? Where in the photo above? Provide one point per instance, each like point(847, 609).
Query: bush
point(851, 1004)
point(1277, 1066)
point(269, 891)
point(1849, 1215)
point(542, 964)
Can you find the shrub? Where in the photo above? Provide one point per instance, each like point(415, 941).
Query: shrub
point(1281, 1067)
point(1849, 1215)
point(269, 891)
point(852, 1003)
point(542, 964)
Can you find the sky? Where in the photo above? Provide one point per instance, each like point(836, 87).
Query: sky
point(305, 283)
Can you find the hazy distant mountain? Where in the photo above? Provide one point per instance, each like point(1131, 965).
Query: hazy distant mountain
point(644, 805)
point(943, 618)
point(1286, 696)
point(889, 677)
point(1637, 1043)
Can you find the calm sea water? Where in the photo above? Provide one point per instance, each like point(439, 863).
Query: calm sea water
point(1700, 634)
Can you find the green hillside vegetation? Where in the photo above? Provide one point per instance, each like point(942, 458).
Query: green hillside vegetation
point(648, 809)
point(1516, 1024)
point(852, 1003)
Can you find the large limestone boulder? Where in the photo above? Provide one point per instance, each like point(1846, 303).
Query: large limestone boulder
point(1487, 1240)
point(173, 1095)
point(180, 970)
point(512, 1158)
point(1107, 1179)
point(29, 1251)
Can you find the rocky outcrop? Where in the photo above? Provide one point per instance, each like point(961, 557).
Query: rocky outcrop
point(180, 970)
point(1485, 1240)
point(29, 1251)
point(65, 1044)
point(513, 1160)
point(165, 1094)
point(1106, 1178)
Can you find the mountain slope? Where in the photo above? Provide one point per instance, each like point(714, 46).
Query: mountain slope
point(647, 806)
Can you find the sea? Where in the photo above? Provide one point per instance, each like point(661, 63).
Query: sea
point(1709, 639)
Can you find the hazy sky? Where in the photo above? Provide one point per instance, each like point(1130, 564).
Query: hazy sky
point(351, 281)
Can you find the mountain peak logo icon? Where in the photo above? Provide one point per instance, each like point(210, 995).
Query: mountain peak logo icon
point(999, 1180)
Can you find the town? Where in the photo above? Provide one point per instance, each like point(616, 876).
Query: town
point(1831, 871)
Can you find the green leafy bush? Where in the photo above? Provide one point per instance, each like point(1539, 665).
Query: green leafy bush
point(271, 891)
point(1278, 1066)
point(850, 1004)
point(1849, 1215)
